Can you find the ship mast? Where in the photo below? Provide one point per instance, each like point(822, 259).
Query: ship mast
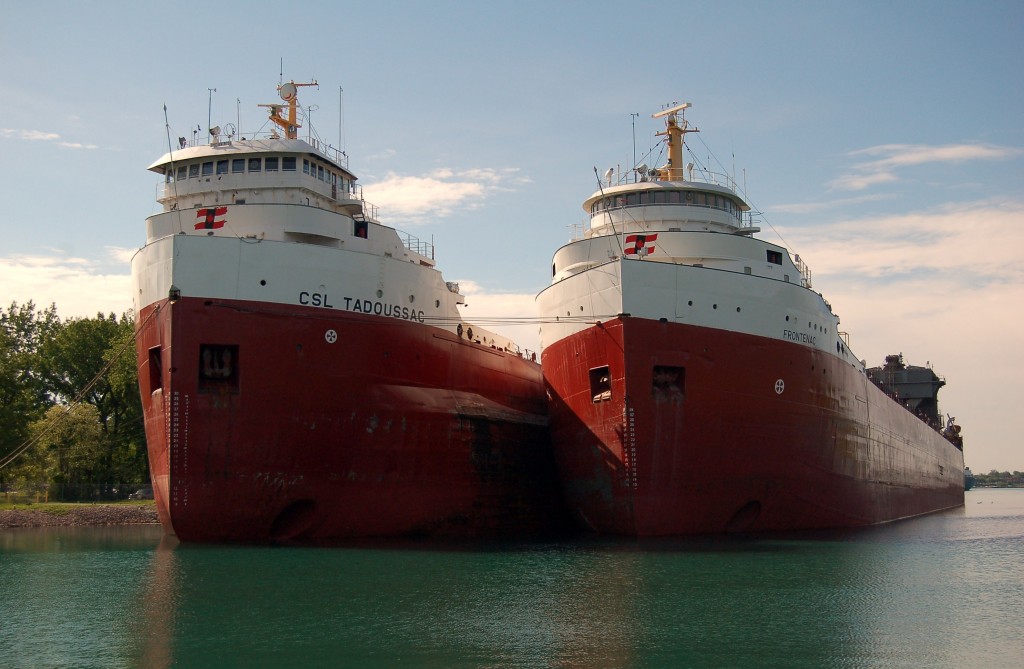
point(676, 141)
point(290, 124)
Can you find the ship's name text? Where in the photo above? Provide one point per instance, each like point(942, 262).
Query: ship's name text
point(363, 306)
point(382, 309)
point(314, 299)
point(798, 336)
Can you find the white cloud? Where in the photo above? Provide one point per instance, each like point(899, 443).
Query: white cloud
point(861, 181)
point(513, 315)
point(40, 135)
point(78, 286)
point(812, 207)
point(29, 135)
point(896, 156)
point(76, 145)
point(966, 240)
point(121, 254)
point(943, 286)
point(415, 199)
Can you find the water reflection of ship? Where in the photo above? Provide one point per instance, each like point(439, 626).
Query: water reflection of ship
point(155, 621)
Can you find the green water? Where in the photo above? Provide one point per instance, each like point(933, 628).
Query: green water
point(942, 591)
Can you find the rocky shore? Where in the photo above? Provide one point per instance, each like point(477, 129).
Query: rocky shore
point(92, 514)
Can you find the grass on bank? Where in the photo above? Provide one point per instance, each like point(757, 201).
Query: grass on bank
point(64, 508)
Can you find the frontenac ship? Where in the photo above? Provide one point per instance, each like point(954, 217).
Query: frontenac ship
point(697, 384)
point(305, 371)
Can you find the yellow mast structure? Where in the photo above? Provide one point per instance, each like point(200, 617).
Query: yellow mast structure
point(676, 141)
point(290, 123)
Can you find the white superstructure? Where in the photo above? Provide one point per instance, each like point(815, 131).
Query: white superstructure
point(682, 243)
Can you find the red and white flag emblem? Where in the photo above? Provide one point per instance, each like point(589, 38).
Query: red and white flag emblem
point(640, 245)
point(211, 219)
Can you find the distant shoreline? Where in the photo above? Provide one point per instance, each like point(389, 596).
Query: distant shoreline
point(77, 516)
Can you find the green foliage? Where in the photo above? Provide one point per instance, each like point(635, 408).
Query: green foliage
point(87, 364)
point(996, 479)
point(70, 443)
point(24, 397)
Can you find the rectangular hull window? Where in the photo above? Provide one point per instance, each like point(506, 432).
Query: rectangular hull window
point(600, 384)
point(156, 370)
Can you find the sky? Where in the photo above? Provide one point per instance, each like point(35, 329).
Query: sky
point(883, 142)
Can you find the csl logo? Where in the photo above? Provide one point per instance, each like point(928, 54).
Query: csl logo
point(314, 299)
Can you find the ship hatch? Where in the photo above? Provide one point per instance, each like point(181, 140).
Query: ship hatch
point(156, 376)
point(668, 383)
point(218, 367)
point(600, 384)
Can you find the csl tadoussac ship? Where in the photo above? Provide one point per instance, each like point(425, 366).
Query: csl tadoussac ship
point(698, 384)
point(305, 372)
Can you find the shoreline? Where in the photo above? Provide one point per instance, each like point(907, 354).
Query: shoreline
point(78, 516)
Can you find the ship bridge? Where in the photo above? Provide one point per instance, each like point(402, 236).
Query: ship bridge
point(273, 187)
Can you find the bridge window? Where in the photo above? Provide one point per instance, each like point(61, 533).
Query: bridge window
point(238, 165)
point(271, 164)
point(193, 171)
point(305, 167)
point(288, 164)
point(222, 167)
point(207, 169)
point(182, 171)
point(774, 257)
point(255, 164)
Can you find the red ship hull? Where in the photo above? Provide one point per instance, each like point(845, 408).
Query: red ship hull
point(270, 422)
point(702, 430)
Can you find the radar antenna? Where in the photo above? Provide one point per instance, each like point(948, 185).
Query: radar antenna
point(290, 123)
point(676, 128)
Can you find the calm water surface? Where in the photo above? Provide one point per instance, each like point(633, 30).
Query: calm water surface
point(942, 591)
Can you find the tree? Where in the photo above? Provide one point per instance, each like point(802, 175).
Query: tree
point(69, 449)
point(74, 372)
point(129, 461)
point(24, 332)
point(93, 360)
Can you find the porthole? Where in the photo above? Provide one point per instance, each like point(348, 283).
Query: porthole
point(787, 319)
point(690, 303)
point(263, 282)
point(737, 310)
point(412, 298)
point(380, 293)
point(714, 306)
point(437, 303)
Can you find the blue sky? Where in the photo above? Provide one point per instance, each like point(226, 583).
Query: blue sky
point(883, 141)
